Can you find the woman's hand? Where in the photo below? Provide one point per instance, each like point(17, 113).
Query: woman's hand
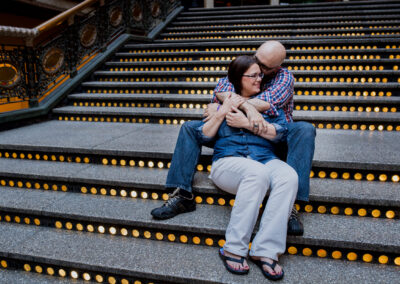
point(237, 119)
point(211, 109)
point(232, 101)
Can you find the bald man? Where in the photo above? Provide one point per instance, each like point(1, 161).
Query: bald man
point(277, 93)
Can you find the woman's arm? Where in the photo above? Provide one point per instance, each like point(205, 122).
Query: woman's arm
point(210, 128)
point(237, 119)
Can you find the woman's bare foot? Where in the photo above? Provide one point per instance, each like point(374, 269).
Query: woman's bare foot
point(276, 271)
point(236, 265)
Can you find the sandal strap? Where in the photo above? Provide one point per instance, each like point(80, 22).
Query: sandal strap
point(227, 258)
point(272, 265)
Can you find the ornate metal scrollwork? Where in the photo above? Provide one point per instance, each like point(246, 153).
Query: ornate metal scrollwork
point(88, 35)
point(137, 12)
point(115, 16)
point(155, 9)
point(9, 75)
point(53, 60)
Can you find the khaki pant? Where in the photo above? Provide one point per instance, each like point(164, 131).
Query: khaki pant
point(250, 181)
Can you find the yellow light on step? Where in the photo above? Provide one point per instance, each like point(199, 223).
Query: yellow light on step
point(322, 253)
point(292, 250)
point(209, 242)
point(196, 240)
point(336, 254)
point(50, 271)
point(307, 251)
point(86, 276)
point(390, 214)
point(62, 273)
point(38, 269)
point(383, 259)
point(397, 261)
point(335, 210)
point(376, 213)
point(135, 233)
point(183, 239)
point(348, 211)
point(159, 236)
point(358, 176)
point(27, 267)
point(308, 208)
point(367, 257)
point(352, 256)
point(171, 237)
point(362, 212)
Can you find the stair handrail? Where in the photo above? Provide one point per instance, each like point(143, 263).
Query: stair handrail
point(66, 15)
point(35, 63)
point(49, 24)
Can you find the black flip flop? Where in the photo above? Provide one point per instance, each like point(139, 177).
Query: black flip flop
point(230, 269)
point(260, 264)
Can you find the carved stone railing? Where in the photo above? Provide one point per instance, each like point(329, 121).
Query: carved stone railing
point(34, 62)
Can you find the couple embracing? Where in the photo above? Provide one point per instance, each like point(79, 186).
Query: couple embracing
point(249, 124)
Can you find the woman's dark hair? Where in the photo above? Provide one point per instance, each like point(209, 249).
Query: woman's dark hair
point(237, 68)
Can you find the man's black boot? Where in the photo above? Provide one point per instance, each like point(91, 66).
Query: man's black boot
point(180, 201)
point(295, 227)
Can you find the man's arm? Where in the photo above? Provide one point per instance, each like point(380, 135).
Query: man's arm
point(279, 93)
point(210, 128)
point(260, 105)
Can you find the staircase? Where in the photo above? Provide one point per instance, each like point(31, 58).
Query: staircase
point(77, 190)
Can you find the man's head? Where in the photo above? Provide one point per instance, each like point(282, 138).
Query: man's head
point(270, 56)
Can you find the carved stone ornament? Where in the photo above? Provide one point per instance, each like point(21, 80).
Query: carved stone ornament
point(137, 13)
point(115, 16)
point(9, 75)
point(155, 9)
point(88, 35)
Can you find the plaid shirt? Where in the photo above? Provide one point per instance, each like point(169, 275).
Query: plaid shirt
point(278, 91)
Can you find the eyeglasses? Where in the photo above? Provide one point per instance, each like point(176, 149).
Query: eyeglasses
point(254, 76)
point(262, 66)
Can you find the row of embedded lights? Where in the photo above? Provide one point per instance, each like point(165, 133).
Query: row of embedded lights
point(204, 106)
point(345, 108)
point(45, 157)
point(362, 212)
point(136, 233)
point(160, 164)
point(331, 47)
point(370, 127)
point(336, 254)
point(74, 274)
point(272, 36)
point(279, 29)
point(348, 211)
point(210, 92)
point(215, 79)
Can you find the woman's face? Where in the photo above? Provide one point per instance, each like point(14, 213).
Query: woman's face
point(251, 81)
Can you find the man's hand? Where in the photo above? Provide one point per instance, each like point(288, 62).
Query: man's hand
point(237, 119)
point(256, 120)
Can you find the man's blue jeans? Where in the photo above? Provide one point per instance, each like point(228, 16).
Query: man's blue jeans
point(300, 151)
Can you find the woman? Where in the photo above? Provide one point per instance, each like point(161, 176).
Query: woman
point(245, 164)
